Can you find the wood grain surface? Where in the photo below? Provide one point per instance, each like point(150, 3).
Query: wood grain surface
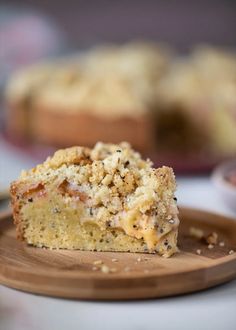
point(73, 274)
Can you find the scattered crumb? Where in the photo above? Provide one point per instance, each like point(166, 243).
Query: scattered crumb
point(113, 270)
point(210, 246)
point(195, 232)
point(222, 243)
point(146, 259)
point(127, 269)
point(114, 260)
point(98, 262)
point(212, 238)
point(139, 259)
point(199, 251)
point(231, 251)
point(105, 269)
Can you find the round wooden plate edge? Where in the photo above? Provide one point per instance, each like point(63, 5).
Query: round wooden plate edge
point(184, 211)
point(105, 293)
point(102, 294)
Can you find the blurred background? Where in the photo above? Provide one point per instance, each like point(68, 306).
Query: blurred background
point(182, 23)
point(159, 74)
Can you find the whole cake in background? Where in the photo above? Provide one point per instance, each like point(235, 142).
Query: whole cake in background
point(196, 103)
point(105, 199)
point(104, 94)
point(137, 92)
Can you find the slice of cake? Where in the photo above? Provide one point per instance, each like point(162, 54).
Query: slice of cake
point(104, 199)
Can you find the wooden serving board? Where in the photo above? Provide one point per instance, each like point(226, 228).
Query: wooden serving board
point(70, 274)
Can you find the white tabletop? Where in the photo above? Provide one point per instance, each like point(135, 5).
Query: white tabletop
point(211, 309)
